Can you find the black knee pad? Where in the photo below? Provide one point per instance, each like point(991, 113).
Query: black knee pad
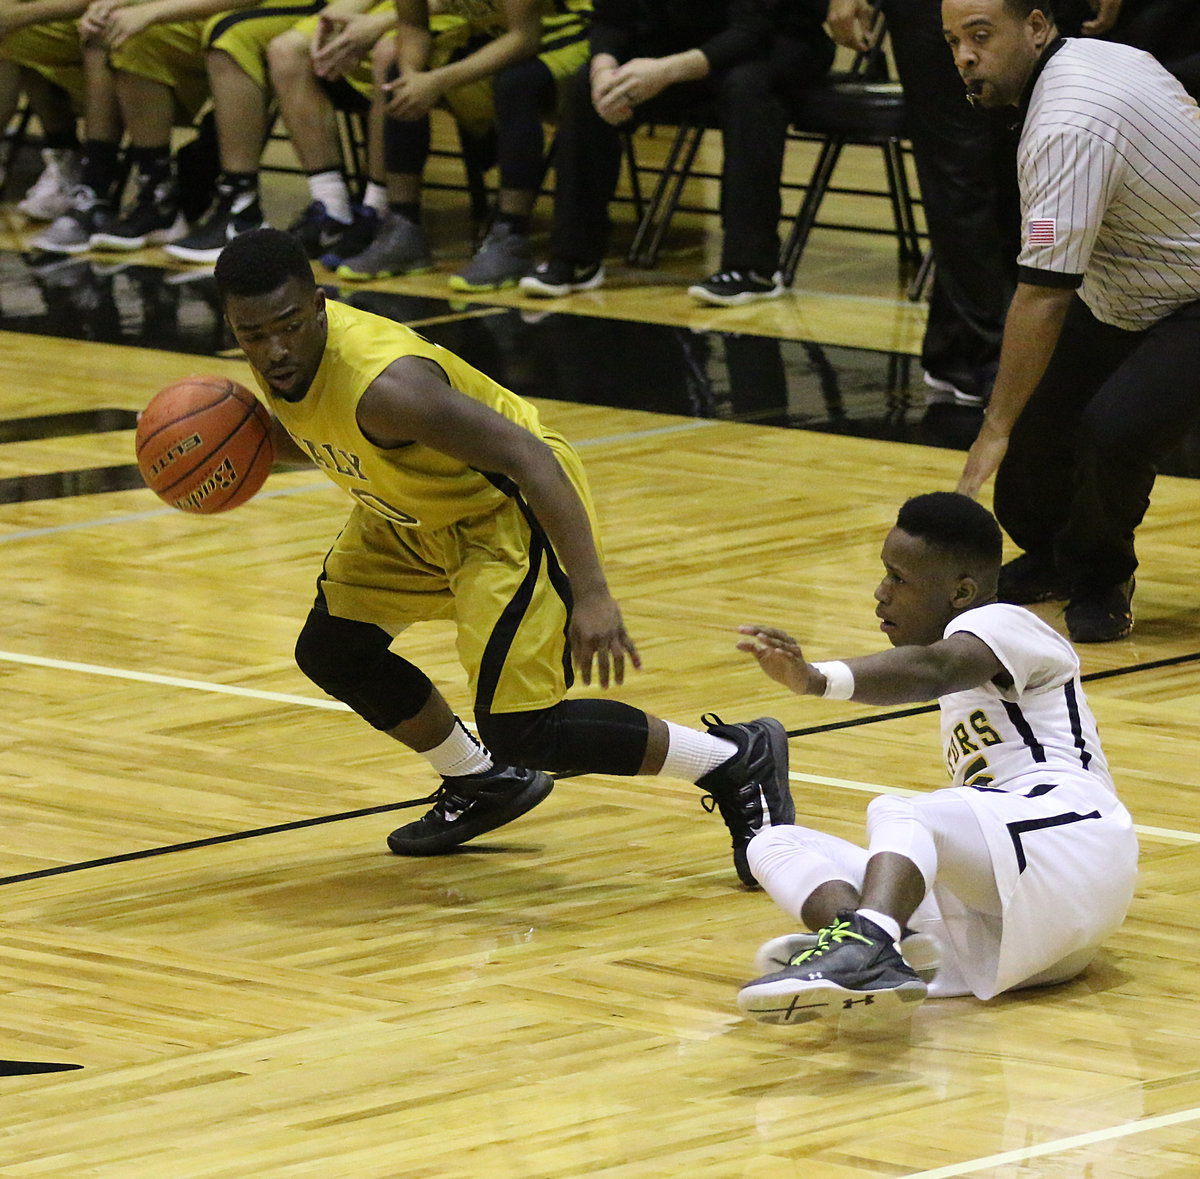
point(351, 661)
point(575, 736)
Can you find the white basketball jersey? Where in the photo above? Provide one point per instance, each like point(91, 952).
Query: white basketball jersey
point(1040, 724)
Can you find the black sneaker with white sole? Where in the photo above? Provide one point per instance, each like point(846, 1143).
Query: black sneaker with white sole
point(731, 288)
point(153, 219)
point(233, 211)
point(467, 806)
point(854, 970)
point(750, 789)
point(557, 277)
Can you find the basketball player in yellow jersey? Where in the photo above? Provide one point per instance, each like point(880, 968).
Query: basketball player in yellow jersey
point(465, 507)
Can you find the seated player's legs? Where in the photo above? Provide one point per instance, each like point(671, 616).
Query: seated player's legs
point(49, 57)
point(334, 225)
point(161, 82)
point(235, 58)
point(400, 245)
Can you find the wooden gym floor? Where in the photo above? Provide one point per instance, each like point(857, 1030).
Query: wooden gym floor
point(203, 928)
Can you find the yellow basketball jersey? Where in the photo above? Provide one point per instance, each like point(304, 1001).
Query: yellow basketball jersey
point(414, 486)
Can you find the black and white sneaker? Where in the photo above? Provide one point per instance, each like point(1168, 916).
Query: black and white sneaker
point(154, 218)
point(232, 212)
point(470, 805)
point(557, 277)
point(854, 970)
point(729, 288)
point(751, 789)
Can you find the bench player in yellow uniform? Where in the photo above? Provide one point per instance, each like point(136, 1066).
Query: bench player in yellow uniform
point(499, 71)
point(466, 508)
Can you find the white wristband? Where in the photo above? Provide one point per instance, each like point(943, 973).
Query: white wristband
point(839, 680)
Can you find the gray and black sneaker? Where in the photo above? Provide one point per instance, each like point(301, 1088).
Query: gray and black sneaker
point(751, 789)
point(72, 232)
point(919, 950)
point(468, 806)
point(398, 247)
point(502, 260)
point(232, 212)
point(154, 218)
point(731, 288)
point(854, 970)
point(557, 277)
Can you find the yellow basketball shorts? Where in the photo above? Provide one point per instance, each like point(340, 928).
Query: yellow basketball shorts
point(495, 576)
point(245, 33)
point(173, 56)
point(53, 50)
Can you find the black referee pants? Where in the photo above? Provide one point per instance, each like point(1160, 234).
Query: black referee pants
point(1081, 460)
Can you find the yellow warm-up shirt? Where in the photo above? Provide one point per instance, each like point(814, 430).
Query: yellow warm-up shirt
point(411, 485)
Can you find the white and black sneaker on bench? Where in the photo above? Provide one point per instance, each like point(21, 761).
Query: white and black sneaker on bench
point(730, 288)
point(467, 806)
point(854, 971)
point(557, 277)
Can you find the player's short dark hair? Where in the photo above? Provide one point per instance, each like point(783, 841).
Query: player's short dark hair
point(261, 261)
point(953, 523)
point(1022, 8)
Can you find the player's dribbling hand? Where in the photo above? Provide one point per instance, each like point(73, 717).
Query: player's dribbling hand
point(778, 654)
point(597, 633)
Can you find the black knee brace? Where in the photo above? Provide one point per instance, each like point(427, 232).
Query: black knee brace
point(575, 736)
point(351, 661)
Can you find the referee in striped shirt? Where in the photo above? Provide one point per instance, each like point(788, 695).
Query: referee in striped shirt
point(1100, 365)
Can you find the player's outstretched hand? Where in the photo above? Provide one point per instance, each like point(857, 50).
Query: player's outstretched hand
point(778, 654)
point(598, 633)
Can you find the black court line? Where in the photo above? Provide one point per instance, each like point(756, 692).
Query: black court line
point(320, 820)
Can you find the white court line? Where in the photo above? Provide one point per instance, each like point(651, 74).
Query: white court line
point(171, 681)
point(1058, 1146)
point(900, 791)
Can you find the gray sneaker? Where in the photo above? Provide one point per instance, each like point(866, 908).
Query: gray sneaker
point(50, 195)
point(400, 247)
point(72, 232)
point(502, 260)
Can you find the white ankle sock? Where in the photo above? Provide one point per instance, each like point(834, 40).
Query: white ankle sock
point(692, 754)
point(376, 197)
point(459, 754)
point(331, 190)
point(888, 924)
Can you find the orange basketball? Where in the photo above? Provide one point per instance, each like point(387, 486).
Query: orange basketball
point(204, 444)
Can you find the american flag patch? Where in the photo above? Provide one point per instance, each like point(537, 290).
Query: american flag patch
point(1041, 232)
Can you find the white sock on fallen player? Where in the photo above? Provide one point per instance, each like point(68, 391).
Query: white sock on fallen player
point(459, 754)
point(889, 925)
point(692, 754)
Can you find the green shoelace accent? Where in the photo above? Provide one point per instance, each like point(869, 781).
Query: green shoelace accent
point(829, 938)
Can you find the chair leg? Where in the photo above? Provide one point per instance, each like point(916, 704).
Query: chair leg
point(907, 238)
point(806, 217)
point(667, 192)
point(635, 176)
